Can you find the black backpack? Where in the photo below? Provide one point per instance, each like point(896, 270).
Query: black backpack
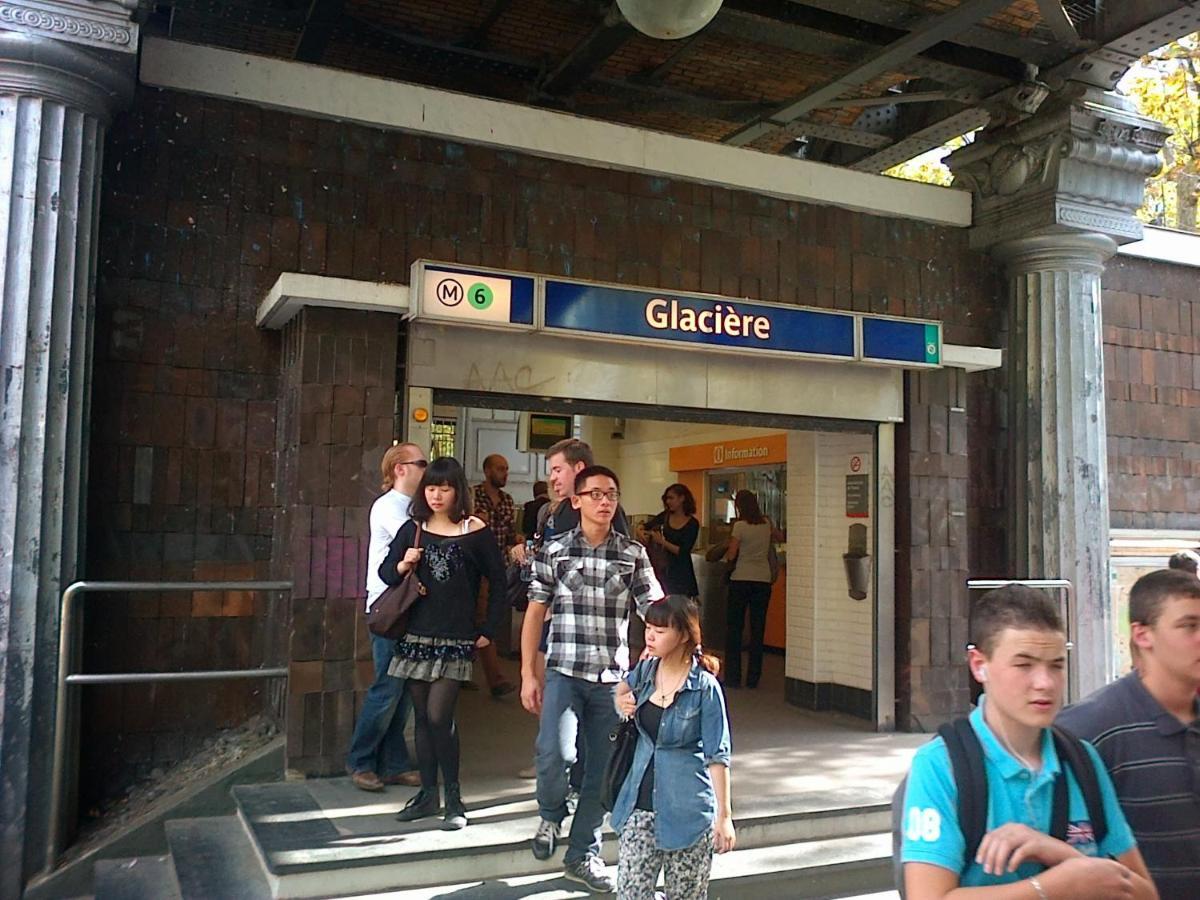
point(966, 761)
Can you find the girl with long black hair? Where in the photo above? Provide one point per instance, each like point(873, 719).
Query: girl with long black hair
point(451, 550)
point(674, 808)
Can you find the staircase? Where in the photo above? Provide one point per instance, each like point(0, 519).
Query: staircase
point(321, 839)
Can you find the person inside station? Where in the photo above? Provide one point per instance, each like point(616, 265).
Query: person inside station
point(529, 513)
point(670, 536)
point(495, 506)
point(749, 552)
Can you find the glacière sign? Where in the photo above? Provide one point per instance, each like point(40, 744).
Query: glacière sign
point(692, 319)
point(492, 298)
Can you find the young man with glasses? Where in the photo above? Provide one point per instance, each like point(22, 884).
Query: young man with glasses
point(378, 755)
point(585, 579)
point(1146, 727)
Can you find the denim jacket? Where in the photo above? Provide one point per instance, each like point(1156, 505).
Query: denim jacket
point(694, 733)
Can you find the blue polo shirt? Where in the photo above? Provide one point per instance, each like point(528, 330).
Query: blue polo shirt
point(931, 833)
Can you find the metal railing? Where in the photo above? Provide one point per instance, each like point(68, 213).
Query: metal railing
point(66, 679)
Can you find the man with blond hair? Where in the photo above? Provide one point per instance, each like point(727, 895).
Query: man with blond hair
point(378, 755)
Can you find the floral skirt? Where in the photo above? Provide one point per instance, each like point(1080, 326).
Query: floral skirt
point(430, 658)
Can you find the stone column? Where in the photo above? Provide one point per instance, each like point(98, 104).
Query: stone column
point(65, 67)
point(1055, 195)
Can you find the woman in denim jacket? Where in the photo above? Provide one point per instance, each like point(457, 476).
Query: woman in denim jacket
point(674, 808)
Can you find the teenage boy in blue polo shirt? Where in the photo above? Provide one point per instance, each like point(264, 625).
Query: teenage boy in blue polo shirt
point(1018, 652)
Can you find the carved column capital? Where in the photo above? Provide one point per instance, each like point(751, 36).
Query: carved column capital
point(81, 53)
point(103, 24)
point(1079, 165)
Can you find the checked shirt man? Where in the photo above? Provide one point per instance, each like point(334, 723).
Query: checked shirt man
point(586, 578)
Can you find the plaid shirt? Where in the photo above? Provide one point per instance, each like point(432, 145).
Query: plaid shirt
point(587, 590)
point(501, 517)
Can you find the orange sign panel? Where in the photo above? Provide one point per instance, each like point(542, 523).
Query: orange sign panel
point(755, 451)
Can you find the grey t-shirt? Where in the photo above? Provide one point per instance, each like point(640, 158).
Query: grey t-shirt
point(1154, 760)
point(753, 543)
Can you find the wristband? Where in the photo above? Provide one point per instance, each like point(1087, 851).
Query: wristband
point(1037, 886)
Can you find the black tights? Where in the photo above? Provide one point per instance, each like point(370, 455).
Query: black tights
point(437, 735)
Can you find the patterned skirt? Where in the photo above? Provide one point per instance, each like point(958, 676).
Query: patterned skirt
point(430, 658)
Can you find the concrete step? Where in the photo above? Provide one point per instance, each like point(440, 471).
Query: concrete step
point(856, 867)
point(140, 878)
point(215, 860)
point(144, 835)
point(303, 836)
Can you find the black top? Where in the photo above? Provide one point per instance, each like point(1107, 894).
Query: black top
point(649, 717)
point(529, 515)
point(680, 576)
point(450, 568)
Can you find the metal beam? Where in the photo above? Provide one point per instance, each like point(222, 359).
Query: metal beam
point(904, 16)
point(955, 64)
point(885, 60)
point(322, 20)
point(478, 35)
point(601, 43)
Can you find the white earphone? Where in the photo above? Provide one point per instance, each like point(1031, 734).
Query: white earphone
point(983, 673)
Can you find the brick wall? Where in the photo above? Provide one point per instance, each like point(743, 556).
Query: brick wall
point(932, 548)
point(206, 201)
point(1152, 375)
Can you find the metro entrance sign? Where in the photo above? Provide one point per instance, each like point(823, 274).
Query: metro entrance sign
point(496, 299)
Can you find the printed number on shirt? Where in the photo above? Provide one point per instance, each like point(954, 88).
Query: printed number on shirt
point(924, 825)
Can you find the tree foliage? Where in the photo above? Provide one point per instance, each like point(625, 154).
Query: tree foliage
point(1166, 87)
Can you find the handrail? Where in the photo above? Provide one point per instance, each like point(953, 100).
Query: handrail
point(66, 679)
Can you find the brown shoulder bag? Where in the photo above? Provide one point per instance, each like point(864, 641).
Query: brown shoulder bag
point(389, 614)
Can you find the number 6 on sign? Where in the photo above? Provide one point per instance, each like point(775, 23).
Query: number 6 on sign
point(480, 295)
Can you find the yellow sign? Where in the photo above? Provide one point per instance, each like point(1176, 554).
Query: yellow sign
point(755, 451)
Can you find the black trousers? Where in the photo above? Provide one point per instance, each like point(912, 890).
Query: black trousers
point(754, 596)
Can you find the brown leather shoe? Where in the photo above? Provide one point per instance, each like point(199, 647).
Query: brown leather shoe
point(366, 781)
point(411, 778)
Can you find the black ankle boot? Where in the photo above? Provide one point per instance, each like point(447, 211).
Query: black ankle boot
point(424, 803)
point(456, 813)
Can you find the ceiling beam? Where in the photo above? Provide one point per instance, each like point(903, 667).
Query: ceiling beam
point(588, 55)
point(820, 27)
point(322, 20)
point(905, 17)
point(884, 60)
point(477, 36)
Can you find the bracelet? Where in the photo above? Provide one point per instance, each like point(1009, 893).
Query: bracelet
point(1037, 886)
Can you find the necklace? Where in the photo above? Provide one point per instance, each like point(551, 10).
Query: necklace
point(662, 694)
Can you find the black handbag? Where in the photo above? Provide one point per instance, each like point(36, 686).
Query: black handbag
point(624, 742)
point(388, 616)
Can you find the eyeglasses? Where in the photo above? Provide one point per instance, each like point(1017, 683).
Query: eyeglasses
point(419, 463)
point(597, 495)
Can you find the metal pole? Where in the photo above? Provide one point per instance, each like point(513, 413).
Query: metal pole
point(66, 679)
point(139, 677)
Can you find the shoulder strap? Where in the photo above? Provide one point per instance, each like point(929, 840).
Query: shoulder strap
point(417, 539)
point(970, 778)
point(1073, 755)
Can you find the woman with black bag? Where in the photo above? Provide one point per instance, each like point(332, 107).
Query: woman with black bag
point(450, 550)
point(674, 808)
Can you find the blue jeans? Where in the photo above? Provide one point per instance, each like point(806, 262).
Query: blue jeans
point(569, 704)
point(378, 744)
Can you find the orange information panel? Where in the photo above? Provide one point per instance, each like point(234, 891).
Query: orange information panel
point(755, 451)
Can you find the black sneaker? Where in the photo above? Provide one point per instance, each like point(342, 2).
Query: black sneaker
point(589, 872)
point(545, 839)
point(456, 813)
point(423, 804)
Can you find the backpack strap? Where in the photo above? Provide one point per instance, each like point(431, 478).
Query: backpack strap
point(1071, 751)
point(970, 778)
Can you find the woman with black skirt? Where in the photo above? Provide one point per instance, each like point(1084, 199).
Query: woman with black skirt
point(453, 552)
